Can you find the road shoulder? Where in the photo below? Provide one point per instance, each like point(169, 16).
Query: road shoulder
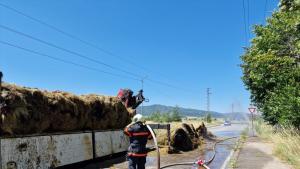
point(256, 153)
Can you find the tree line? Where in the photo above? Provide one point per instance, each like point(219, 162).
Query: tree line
point(157, 116)
point(271, 66)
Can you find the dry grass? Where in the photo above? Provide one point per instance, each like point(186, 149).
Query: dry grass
point(286, 142)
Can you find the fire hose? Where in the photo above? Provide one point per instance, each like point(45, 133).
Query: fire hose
point(201, 162)
point(198, 162)
point(156, 146)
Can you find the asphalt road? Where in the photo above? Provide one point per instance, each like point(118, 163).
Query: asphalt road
point(225, 148)
point(203, 152)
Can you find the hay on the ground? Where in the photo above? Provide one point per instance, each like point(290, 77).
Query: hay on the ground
point(202, 130)
point(186, 137)
point(32, 111)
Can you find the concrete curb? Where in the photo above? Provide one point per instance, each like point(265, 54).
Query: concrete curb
point(234, 154)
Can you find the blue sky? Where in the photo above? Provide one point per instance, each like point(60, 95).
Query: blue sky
point(189, 44)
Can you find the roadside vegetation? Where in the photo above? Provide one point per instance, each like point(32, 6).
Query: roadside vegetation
point(271, 72)
point(286, 141)
point(271, 66)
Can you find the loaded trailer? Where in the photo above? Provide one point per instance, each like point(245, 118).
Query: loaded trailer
point(42, 129)
point(59, 149)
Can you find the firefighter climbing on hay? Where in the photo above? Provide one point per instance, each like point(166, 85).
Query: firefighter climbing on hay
point(129, 100)
point(137, 131)
point(138, 134)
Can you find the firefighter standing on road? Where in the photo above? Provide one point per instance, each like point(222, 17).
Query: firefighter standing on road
point(138, 134)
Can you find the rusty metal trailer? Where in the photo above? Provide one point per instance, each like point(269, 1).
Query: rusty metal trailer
point(55, 150)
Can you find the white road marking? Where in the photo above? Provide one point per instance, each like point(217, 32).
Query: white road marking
point(227, 160)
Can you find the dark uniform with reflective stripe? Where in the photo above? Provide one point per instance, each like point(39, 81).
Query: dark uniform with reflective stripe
point(138, 134)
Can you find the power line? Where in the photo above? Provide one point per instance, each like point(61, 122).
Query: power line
point(76, 64)
point(245, 24)
point(84, 42)
point(65, 61)
point(160, 92)
point(169, 85)
point(75, 37)
point(248, 20)
point(59, 30)
point(85, 57)
point(67, 50)
point(265, 10)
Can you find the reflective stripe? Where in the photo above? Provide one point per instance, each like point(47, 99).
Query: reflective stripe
point(127, 132)
point(137, 155)
point(140, 134)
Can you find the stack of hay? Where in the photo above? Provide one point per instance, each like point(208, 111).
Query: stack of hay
point(186, 137)
point(32, 111)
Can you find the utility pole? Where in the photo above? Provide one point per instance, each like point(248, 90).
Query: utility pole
point(208, 93)
point(1, 75)
point(142, 81)
point(232, 111)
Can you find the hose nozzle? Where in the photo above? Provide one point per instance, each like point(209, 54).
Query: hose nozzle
point(201, 163)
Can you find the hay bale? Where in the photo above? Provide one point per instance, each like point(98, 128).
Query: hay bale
point(190, 129)
point(32, 111)
point(185, 138)
point(182, 141)
point(202, 130)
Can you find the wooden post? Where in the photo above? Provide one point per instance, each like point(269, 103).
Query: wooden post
point(94, 144)
point(169, 136)
point(165, 127)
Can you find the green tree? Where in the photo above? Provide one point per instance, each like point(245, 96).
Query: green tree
point(208, 118)
point(155, 116)
point(175, 115)
point(271, 66)
point(289, 5)
point(166, 117)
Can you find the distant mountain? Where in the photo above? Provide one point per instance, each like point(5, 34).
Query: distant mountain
point(147, 110)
